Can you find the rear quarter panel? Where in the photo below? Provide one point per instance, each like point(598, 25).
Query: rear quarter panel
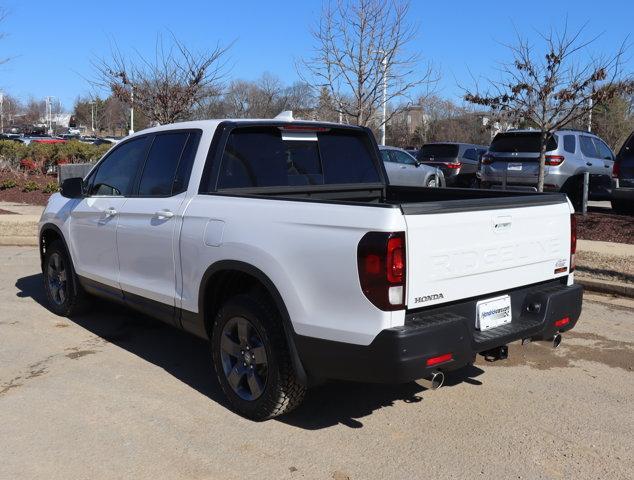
point(307, 249)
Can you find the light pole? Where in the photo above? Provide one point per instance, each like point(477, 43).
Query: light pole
point(131, 110)
point(1, 112)
point(49, 114)
point(384, 65)
point(92, 117)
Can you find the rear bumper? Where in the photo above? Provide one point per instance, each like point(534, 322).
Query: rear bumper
point(398, 355)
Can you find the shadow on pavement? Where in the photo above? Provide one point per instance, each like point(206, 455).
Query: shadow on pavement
point(187, 358)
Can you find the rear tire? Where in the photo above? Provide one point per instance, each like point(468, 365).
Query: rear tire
point(252, 360)
point(65, 295)
point(432, 182)
point(622, 207)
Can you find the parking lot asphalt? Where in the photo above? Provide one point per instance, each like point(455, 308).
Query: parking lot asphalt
point(115, 395)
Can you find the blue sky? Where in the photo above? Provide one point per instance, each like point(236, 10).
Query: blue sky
point(52, 42)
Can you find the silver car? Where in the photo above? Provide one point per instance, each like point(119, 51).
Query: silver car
point(403, 169)
point(513, 161)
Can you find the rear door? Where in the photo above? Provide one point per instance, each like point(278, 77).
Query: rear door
point(396, 173)
point(439, 155)
point(516, 156)
point(486, 250)
point(149, 222)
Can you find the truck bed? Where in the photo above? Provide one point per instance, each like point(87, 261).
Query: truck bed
point(411, 200)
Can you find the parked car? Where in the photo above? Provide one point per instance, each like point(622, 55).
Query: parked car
point(458, 161)
point(403, 169)
point(513, 158)
point(623, 178)
point(282, 243)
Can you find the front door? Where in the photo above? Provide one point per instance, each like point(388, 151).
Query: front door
point(93, 221)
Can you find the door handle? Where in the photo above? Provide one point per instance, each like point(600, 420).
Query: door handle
point(110, 212)
point(589, 164)
point(164, 214)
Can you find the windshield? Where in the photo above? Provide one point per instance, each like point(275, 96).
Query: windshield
point(438, 150)
point(520, 142)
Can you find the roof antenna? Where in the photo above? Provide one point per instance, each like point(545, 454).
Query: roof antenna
point(285, 115)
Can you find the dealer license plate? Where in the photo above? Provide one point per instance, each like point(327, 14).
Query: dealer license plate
point(493, 312)
point(514, 167)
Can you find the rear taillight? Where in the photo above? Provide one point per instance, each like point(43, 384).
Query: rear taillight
point(454, 165)
point(616, 170)
point(381, 262)
point(487, 159)
point(554, 160)
point(573, 241)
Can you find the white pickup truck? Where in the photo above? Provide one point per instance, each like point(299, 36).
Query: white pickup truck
point(282, 243)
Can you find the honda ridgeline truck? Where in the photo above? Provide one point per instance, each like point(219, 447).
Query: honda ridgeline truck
point(283, 244)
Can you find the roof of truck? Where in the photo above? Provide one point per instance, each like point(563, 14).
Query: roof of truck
point(212, 124)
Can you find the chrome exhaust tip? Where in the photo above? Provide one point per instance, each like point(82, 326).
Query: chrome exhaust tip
point(556, 340)
point(433, 382)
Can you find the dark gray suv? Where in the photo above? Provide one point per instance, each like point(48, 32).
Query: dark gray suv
point(457, 161)
point(513, 159)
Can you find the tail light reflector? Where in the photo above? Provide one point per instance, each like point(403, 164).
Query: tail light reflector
point(439, 359)
point(562, 322)
point(554, 160)
point(454, 165)
point(381, 262)
point(573, 241)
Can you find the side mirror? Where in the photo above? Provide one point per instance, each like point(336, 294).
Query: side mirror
point(418, 164)
point(72, 187)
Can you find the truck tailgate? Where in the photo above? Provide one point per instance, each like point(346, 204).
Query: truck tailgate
point(486, 248)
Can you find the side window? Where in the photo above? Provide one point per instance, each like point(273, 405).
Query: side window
point(385, 156)
point(570, 145)
point(116, 173)
point(470, 154)
point(403, 158)
point(604, 151)
point(184, 169)
point(160, 167)
point(587, 147)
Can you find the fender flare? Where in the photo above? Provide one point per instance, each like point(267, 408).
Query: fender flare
point(52, 227)
point(272, 290)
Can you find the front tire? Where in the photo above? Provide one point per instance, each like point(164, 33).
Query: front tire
point(64, 294)
point(252, 360)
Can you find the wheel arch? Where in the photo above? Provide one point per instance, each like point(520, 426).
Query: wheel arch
point(49, 232)
point(226, 278)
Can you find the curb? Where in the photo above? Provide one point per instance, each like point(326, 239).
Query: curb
point(606, 286)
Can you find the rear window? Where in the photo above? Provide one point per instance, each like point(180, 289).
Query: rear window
point(260, 157)
point(438, 150)
point(520, 142)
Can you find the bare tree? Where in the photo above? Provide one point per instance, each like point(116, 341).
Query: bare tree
point(359, 44)
point(167, 87)
point(613, 120)
point(554, 86)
